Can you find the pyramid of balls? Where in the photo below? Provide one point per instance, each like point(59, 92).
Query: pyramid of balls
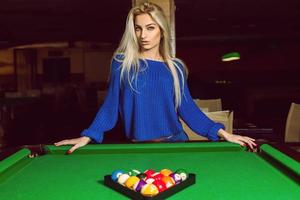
point(150, 182)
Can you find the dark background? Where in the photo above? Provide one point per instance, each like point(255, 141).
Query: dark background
point(259, 87)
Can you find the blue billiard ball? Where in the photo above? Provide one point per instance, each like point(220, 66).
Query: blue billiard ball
point(115, 175)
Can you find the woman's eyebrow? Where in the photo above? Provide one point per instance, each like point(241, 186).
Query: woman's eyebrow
point(151, 24)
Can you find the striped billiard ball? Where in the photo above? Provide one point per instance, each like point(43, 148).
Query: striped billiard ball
point(123, 178)
point(183, 173)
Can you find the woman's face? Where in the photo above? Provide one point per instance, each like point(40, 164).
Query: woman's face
point(147, 32)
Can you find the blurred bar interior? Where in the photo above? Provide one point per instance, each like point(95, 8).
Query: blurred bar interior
point(55, 58)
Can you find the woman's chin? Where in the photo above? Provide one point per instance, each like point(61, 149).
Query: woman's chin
point(146, 48)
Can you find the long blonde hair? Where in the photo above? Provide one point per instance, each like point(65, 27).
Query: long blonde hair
point(129, 48)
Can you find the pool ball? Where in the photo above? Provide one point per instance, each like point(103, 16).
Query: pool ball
point(176, 177)
point(168, 181)
point(138, 185)
point(161, 186)
point(166, 172)
point(149, 190)
point(123, 178)
point(157, 176)
point(182, 173)
point(142, 176)
point(149, 172)
point(134, 172)
point(149, 179)
point(131, 181)
point(115, 175)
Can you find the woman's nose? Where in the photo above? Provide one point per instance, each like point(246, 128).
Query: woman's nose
point(143, 34)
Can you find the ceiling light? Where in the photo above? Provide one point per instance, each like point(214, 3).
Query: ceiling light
point(231, 56)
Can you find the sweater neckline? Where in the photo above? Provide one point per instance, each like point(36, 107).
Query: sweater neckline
point(151, 60)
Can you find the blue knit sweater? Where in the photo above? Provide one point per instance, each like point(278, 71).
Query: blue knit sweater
point(148, 112)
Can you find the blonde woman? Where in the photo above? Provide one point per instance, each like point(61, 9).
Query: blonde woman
point(148, 88)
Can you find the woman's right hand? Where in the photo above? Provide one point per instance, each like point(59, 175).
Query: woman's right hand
point(76, 142)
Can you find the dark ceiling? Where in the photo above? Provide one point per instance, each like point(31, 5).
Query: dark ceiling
point(27, 21)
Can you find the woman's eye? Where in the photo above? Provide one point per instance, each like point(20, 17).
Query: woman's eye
point(137, 29)
point(150, 28)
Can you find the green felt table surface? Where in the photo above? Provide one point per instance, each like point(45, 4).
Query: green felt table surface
point(223, 171)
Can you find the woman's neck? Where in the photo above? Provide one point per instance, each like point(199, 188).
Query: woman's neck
point(152, 55)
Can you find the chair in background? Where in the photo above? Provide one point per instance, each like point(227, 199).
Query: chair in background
point(292, 128)
point(209, 105)
point(225, 117)
point(213, 109)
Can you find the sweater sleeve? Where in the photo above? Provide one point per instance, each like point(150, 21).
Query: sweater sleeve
point(195, 118)
point(107, 115)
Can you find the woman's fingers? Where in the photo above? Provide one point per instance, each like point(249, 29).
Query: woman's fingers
point(249, 138)
point(73, 148)
point(81, 142)
point(243, 141)
point(239, 142)
point(249, 141)
point(76, 142)
point(65, 142)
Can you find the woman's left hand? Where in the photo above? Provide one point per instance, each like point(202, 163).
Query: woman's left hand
point(241, 140)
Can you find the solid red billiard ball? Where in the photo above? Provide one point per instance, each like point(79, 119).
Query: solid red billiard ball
point(157, 176)
point(149, 172)
point(160, 185)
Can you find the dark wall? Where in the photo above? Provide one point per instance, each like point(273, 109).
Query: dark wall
point(262, 83)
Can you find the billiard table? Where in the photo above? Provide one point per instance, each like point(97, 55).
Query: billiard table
point(223, 171)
